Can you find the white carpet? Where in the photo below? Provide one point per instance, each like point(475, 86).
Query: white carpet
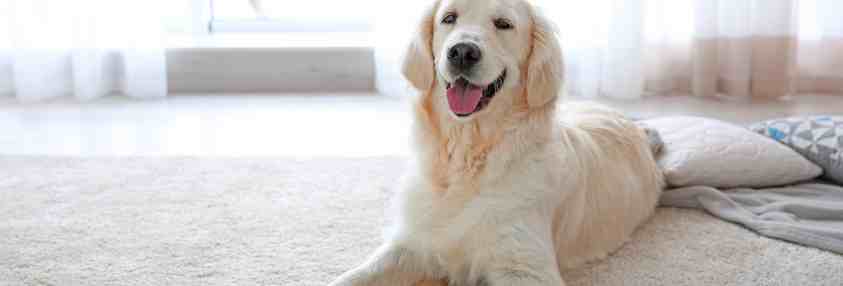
point(277, 221)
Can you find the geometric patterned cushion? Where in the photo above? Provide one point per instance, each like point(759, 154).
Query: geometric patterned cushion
point(818, 138)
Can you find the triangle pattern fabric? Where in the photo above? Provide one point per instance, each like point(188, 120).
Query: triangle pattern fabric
point(803, 139)
point(821, 124)
point(824, 149)
point(828, 142)
point(820, 132)
point(818, 138)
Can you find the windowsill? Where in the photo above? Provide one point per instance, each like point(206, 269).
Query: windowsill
point(275, 62)
point(273, 40)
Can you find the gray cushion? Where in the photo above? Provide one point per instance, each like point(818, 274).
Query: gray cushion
point(818, 138)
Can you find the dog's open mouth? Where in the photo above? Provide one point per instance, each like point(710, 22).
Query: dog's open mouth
point(465, 98)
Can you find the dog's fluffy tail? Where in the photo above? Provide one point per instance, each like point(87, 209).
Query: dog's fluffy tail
point(654, 138)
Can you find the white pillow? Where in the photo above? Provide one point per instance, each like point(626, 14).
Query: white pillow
point(700, 151)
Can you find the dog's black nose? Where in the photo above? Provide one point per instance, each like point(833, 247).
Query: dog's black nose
point(464, 56)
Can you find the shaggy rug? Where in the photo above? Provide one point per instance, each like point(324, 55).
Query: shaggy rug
point(287, 221)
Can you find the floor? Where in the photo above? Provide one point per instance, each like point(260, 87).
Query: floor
point(281, 221)
point(348, 125)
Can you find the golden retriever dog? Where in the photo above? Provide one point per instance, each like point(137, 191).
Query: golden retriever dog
point(507, 186)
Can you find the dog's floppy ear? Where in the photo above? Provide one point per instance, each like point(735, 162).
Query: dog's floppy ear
point(418, 65)
point(545, 70)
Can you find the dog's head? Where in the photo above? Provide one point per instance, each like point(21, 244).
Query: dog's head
point(479, 51)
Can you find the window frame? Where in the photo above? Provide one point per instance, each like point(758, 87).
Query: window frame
point(202, 16)
point(236, 59)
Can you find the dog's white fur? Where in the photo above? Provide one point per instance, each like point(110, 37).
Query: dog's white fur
point(514, 193)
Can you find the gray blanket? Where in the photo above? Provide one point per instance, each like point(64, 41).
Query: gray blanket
point(810, 214)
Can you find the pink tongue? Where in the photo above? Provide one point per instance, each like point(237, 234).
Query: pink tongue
point(463, 99)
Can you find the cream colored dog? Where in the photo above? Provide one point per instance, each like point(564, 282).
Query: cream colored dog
point(508, 188)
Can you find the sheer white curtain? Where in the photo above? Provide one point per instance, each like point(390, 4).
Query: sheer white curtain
point(738, 49)
point(393, 32)
point(81, 48)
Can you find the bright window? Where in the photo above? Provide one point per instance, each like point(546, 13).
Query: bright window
point(290, 16)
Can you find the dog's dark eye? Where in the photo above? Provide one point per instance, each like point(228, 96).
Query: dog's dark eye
point(503, 24)
point(449, 18)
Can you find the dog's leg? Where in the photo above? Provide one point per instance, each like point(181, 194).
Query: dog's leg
point(523, 256)
point(522, 277)
point(388, 266)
